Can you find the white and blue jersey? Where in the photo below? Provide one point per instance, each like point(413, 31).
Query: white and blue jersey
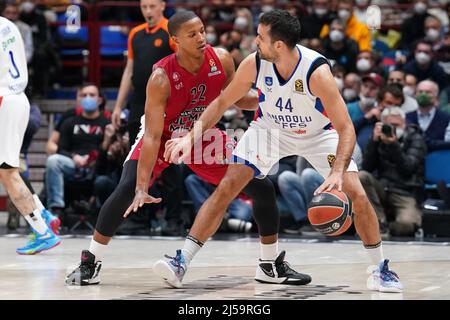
point(289, 104)
point(13, 62)
point(290, 121)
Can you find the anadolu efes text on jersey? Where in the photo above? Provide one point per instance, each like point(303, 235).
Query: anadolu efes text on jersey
point(289, 104)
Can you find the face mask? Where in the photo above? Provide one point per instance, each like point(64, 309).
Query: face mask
point(336, 35)
point(420, 8)
point(320, 11)
point(349, 94)
point(344, 14)
point(424, 100)
point(27, 6)
point(266, 8)
point(399, 132)
point(211, 38)
point(362, 2)
point(432, 34)
point(89, 104)
point(340, 83)
point(408, 91)
point(363, 65)
point(422, 58)
point(367, 102)
point(240, 23)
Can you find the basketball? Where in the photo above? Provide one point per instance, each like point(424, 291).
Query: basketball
point(330, 212)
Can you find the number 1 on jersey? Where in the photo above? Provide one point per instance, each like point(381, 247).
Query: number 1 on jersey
point(288, 106)
point(16, 73)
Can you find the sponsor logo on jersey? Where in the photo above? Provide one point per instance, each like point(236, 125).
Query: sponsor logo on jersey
point(158, 42)
point(175, 76)
point(299, 86)
point(213, 66)
point(331, 159)
point(300, 131)
point(215, 73)
point(178, 86)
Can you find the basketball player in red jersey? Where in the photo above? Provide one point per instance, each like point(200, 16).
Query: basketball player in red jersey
point(181, 87)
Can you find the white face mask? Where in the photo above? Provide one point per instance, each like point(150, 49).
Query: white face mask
point(399, 132)
point(422, 58)
point(27, 6)
point(349, 94)
point(211, 38)
point(420, 8)
point(363, 65)
point(409, 91)
point(432, 34)
point(344, 14)
point(266, 8)
point(340, 83)
point(320, 11)
point(336, 35)
point(367, 102)
point(240, 23)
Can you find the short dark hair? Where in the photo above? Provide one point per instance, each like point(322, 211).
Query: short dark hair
point(2, 5)
point(422, 41)
point(283, 26)
point(178, 19)
point(395, 89)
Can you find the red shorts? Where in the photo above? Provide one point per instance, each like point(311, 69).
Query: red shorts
point(208, 161)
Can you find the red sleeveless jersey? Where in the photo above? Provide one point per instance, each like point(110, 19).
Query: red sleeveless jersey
point(190, 94)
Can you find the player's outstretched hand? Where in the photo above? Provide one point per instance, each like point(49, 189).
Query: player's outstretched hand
point(139, 200)
point(334, 180)
point(177, 150)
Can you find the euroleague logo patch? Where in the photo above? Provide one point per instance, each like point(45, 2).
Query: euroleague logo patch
point(158, 43)
point(331, 159)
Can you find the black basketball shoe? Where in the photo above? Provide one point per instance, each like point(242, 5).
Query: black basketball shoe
point(86, 273)
point(279, 272)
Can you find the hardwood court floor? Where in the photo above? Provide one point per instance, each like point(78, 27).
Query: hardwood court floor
point(223, 270)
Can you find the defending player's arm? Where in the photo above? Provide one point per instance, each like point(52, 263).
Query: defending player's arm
point(238, 88)
point(155, 105)
point(323, 85)
point(250, 100)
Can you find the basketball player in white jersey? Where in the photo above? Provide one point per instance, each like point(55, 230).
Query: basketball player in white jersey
point(300, 113)
point(14, 114)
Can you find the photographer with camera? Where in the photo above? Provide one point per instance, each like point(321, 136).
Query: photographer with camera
point(108, 168)
point(396, 153)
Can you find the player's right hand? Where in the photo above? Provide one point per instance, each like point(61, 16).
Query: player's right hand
point(140, 198)
point(178, 150)
point(115, 118)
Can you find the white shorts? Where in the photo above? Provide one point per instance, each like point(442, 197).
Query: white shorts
point(261, 148)
point(14, 115)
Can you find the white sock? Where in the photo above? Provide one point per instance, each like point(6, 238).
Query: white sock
point(375, 253)
point(190, 248)
point(36, 222)
point(38, 203)
point(97, 249)
point(269, 251)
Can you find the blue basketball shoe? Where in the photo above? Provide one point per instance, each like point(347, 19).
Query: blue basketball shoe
point(52, 221)
point(171, 269)
point(384, 280)
point(38, 243)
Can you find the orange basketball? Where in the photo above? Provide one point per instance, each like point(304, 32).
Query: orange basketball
point(330, 212)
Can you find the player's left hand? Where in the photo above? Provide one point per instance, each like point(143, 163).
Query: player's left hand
point(177, 146)
point(334, 180)
point(140, 198)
